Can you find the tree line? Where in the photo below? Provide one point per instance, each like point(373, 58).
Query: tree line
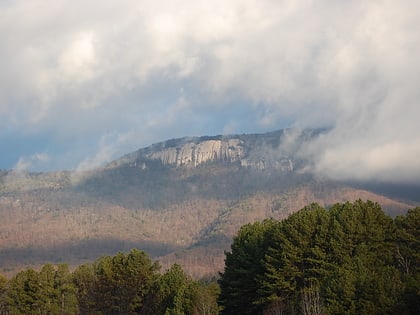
point(122, 284)
point(349, 259)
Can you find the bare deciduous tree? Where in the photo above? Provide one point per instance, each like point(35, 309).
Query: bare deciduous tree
point(311, 301)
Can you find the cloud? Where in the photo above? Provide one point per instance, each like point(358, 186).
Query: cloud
point(26, 163)
point(80, 71)
point(78, 58)
point(108, 146)
point(344, 158)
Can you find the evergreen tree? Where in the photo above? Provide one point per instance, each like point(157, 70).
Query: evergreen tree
point(177, 292)
point(65, 290)
point(352, 259)
point(296, 260)
point(123, 281)
point(3, 291)
point(48, 295)
point(408, 259)
point(24, 293)
point(239, 282)
point(363, 278)
point(84, 281)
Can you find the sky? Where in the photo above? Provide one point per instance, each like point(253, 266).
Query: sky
point(85, 82)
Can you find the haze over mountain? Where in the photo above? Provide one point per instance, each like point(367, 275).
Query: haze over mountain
point(180, 200)
point(83, 83)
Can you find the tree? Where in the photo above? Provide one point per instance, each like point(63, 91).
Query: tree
point(48, 301)
point(44, 292)
point(311, 302)
point(205, 302)
point(24, 293)
point(239, 281)
point(408, 259)
point(84, 281)
point(352, 259)
point(65, 290)
point(363, 278)
point(295, 261)
point(177, 292)
point(116, 284)
point(3, 291)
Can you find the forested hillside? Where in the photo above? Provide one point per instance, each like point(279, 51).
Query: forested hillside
point(351, 258)
point(181, 201)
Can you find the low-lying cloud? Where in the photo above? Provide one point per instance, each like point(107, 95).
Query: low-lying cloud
point(153, 70)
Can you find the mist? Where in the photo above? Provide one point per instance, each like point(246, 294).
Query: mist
point(91, 81)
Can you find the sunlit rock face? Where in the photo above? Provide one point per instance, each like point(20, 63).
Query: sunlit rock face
point(194, 154)
point(270, 151)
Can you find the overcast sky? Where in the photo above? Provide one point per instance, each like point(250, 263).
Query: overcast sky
point(83, 82)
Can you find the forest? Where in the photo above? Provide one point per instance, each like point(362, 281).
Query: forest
point(121, 284)
point(350, 258)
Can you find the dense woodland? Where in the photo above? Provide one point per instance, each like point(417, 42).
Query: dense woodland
point(122, 284)
point(348, 259)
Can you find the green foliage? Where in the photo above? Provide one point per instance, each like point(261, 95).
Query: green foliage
point(205, 302)
point(84, 282)
point(176, 292)
point(117, 284)
point(351, 259)
point(296, 259)
point(49, 291)
point(243, 268)
point(361, 242)
point(65, 290)
point(121, 284)
point(3, 291)
point(408, 258)
point(112, 285)
point(23, 292)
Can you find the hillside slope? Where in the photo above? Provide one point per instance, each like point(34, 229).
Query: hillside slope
point(180, 200)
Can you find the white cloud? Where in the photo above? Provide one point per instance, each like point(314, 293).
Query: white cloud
point(364, 160)
point(25, 163)
point(82, 69)
point(78, 58)
point(107, 147)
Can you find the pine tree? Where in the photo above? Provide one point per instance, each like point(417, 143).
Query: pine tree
point(407, 254)
point(84, 281)
point(24, 293)
point(239, 282)
point(177, 292)
point(3, 291)
point(296, 260)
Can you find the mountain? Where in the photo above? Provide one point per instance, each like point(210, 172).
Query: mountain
point(258, 151)
point(181, 200)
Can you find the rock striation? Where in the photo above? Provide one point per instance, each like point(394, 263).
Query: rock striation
point(268, 151)
point(194, 154)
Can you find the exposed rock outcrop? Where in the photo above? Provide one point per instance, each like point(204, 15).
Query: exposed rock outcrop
point(269, 151)
point(194, 154)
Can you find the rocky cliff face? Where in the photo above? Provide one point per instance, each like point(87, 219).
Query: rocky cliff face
point(194, 154)
point(256, 151)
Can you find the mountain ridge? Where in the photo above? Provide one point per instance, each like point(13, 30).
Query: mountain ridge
point(242, 148)
point(179, 212)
